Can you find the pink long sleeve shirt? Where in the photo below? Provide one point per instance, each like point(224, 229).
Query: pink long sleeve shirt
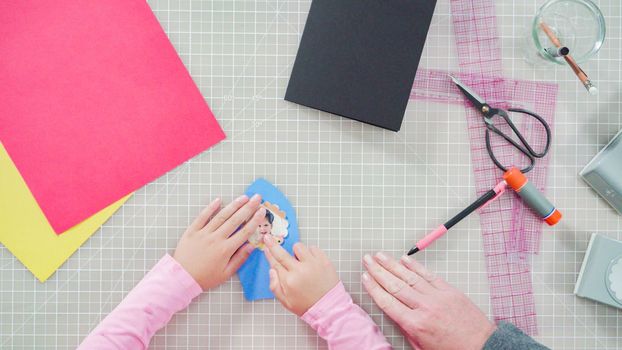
point(168, 288)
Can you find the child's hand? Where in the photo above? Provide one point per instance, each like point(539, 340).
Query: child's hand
point(299, 284)
point(209, 250)
point(431, 313)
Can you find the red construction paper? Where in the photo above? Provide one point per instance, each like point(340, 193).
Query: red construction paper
point(95, 102)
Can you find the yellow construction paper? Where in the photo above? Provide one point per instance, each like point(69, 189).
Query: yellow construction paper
point(25, 231)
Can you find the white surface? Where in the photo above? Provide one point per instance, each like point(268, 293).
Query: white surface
point(356, 188)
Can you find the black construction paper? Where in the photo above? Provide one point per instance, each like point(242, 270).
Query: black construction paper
point(358, 58)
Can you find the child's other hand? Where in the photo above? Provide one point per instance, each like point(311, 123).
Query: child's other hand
point(299, 284)
point(209, 250)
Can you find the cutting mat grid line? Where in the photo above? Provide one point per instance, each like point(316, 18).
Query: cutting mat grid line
point(357, 189)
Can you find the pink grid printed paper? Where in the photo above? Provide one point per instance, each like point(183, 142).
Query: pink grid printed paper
point(511, 232)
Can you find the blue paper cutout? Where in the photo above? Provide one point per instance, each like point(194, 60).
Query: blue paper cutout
point(254, 274)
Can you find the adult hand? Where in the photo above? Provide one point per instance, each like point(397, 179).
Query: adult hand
point(209, 250)
point(298, 283)
point(431, 313)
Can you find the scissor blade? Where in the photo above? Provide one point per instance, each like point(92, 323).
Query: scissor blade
point(477, 101)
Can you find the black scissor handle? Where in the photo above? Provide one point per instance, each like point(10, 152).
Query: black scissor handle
point(532, 159)
point(525, 148)
point(541, 120)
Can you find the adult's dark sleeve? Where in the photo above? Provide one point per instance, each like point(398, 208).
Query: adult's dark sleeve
point(508, 337)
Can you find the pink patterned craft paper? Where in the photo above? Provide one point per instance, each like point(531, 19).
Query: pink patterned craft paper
point(511, 232)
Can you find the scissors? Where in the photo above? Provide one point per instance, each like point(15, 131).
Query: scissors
point(489, 113)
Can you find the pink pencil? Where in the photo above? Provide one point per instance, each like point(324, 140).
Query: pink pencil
point(441, 230)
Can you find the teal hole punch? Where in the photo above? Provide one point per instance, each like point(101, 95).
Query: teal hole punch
point(603, 173)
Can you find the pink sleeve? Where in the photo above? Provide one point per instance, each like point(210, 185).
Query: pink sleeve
point(166, 289)
point(343, 324)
